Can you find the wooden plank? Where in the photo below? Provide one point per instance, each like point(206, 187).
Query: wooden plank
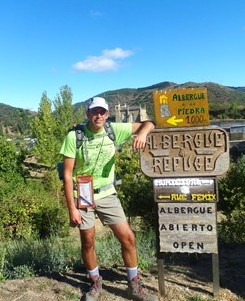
point(216, 280)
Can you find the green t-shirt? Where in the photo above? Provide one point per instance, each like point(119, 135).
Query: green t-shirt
point(96, 156)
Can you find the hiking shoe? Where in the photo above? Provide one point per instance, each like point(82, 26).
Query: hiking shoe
point(95, 290)
point(137, 292)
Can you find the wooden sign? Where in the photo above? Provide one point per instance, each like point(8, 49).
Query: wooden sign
point(200, 151)
point(187, 227)
point(185, 190)
point(181, 107)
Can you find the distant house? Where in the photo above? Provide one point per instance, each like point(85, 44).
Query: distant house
point(126, 113)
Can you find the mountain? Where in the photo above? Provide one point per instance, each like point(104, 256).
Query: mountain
point(14, 120)
point(224, 102)
point(238, 88)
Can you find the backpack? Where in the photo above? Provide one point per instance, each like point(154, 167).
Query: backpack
point(80, 137)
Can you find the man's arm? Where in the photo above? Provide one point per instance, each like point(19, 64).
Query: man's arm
point(74, 214)
point(141, 129)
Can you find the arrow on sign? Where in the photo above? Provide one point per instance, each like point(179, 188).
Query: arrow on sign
point(164, 197)
point(174, 121)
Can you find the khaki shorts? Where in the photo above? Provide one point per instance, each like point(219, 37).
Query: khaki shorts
point(108, 209)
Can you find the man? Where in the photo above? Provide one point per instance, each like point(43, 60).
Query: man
point(96, 158)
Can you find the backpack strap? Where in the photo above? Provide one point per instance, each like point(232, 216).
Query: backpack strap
point(110, 133)
point(80, 138)
point(109, 130)
point(80, 135)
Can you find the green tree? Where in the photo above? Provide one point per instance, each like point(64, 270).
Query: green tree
point(44, 129)
point(79, 115)
point(65, 114)
point(63, 111)
point(46, 149)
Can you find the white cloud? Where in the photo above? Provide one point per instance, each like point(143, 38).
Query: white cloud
point(117, 53)
point(109, 60)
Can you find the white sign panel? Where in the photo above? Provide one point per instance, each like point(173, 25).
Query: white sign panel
point(187, 227)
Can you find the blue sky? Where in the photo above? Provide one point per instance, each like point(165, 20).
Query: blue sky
point(99, 45)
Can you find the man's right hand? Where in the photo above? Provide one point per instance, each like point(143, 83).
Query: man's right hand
point(75, 217)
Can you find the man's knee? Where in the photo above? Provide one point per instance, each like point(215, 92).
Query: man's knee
point(128, 240)
point(87, 239)
point(87, 244)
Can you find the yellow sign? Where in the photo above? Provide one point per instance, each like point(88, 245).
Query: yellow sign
point(181, 107)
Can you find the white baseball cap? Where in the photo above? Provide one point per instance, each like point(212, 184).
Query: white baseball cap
point(98, 102)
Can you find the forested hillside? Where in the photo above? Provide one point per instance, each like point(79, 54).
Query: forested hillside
point(224, 103)
point(14, 120)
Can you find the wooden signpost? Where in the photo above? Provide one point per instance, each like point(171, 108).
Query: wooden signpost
point(184, 163)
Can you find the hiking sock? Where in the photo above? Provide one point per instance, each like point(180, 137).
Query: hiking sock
point(94, 274)
point(132, 272)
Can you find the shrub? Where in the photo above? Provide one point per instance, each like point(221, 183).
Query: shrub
point(10, 161)
point(232, 229)
point(22, 271)
point(29, 210)
point(51, 219)
point(136, 191)
point(232, 203)
point(232, 188)
point(31, 257)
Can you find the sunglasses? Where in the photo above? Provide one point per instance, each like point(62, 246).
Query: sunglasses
point(97, 111)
